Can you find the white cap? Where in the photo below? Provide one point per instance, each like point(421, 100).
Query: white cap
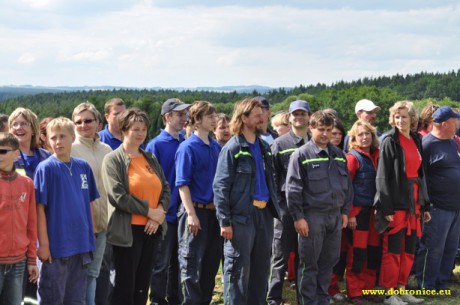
point(366, 105)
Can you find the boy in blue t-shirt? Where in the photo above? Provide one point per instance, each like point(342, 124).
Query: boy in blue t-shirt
point(65, 189)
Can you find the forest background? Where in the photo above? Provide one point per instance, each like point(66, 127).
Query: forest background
point(440, 88)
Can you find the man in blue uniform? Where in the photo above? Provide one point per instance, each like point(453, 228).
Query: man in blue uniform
point(165, 275)
point(285, 236)
point(246, 202)
point(318, 192)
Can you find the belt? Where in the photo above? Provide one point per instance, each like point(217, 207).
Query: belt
point(209, 206)
point(259, 204)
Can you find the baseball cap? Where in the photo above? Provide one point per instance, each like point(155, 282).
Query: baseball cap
point(173, 104)
point(444, 113)
point(366, 105)
point(299, 105)
point(263, 101)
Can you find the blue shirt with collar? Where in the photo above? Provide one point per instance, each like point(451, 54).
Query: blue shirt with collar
point(108, 138)
point(196, 164)
point(164, 147)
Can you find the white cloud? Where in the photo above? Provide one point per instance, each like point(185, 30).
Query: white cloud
point(26, 59)
point(142, 44)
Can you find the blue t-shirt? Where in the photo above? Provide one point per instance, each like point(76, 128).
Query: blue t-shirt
point(30, 163)
point(442, 163)
point(261, 191)
point(164, 147)
point(67, 204)
point(108, 138)
point(196, 164)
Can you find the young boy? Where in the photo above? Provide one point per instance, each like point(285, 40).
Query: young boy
point(18, 224)
point(65, 188)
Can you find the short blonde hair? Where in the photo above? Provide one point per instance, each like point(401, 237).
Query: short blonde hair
point(32, 119)
point(61, 123)
point(86, 106)
point(352, 142)
point(281, 118)
point(116, 101)
point(409, 106)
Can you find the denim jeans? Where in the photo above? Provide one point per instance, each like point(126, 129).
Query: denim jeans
point(438, 247)
point(11, 276)
point(94, 268)
point(64, 280)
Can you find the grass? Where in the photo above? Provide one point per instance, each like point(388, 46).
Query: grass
point(290, 298)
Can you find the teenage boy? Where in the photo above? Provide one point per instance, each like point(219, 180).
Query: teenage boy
point(222, 130)
point(200, 244)
point(65, 190)
point(18, 224)
point(318, 193)
point(246, 202)
point(111, 135)
point(285, 236)
point(165, 276)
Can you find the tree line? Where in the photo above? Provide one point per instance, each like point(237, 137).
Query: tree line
point(441, 88)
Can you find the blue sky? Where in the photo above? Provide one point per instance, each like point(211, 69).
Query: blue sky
point(186, 43)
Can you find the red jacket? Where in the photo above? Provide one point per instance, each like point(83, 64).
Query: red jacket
point(18, 219)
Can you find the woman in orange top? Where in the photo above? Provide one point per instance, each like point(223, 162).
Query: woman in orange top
point(138, 190)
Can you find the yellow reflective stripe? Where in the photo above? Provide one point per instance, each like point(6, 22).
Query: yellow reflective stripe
point(287, 151)
point(242, 153)
point(322, 160)
point(21, 171)
point(315, 160)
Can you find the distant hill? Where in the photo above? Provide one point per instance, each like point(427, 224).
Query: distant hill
point(9, 92)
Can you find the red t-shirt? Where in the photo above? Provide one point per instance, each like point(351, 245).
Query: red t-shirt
point(412, 155)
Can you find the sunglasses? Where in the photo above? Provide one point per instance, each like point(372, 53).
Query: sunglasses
point(87, 121)
point(4, 151)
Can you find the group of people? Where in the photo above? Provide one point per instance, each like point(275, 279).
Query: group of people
point(163, 216)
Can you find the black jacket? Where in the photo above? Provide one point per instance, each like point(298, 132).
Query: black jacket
point(391, 181)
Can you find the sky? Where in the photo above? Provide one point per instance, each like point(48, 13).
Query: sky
point(187, 43)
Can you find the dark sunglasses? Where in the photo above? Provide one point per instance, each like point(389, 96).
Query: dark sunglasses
point(4, 151)
point(87, 121)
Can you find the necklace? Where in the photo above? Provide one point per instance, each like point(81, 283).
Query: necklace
point(68, 167)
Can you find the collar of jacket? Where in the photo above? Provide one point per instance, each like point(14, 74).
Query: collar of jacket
point(89, 142)
point(9, 176)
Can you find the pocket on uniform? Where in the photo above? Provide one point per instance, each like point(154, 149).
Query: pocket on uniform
point(318, 181)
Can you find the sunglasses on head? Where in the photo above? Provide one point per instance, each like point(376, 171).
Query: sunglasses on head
point(4, 151)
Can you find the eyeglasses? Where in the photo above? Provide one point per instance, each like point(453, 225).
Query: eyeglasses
point(17, 125)
point(5, 151)
point(87, 121)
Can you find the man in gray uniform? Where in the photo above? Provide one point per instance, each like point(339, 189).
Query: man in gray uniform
point(285, 236)
point(318, 192)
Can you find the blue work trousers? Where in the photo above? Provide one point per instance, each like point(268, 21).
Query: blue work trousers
point(165, 275)
point(318, 254)
point(247, 260)
point(284, 241)
point(438, 247)
point(199, 257)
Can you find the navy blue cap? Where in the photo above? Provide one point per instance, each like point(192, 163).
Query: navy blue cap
point(263, 101)
point(299, 105)
point(444, 113)
point(173, 104)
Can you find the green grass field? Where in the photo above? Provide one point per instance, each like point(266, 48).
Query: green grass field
point(290, 299)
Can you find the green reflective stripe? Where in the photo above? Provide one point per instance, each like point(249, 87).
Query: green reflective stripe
point(242, 153)
point(287, 151)
point(269, 153)
point(339, 159)
point(315, 160)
